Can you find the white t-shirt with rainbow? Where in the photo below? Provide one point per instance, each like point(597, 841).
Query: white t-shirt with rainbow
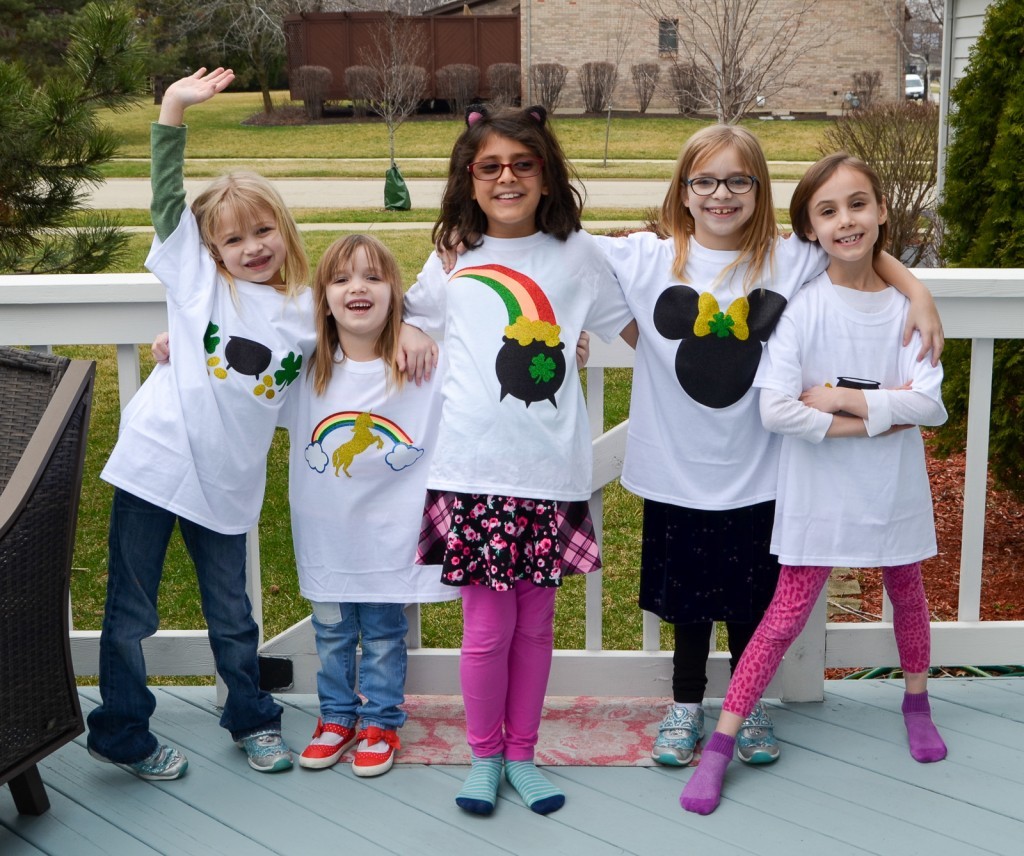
point(357, 481)
point(514, 420)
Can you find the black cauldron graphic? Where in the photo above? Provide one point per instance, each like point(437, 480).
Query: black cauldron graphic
point(532, 372)
point(246, 356)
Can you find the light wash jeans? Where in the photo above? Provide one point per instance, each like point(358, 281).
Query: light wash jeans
point(379, 629)
point(139, 534)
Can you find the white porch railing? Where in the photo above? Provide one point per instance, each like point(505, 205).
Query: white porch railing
point(982, 305)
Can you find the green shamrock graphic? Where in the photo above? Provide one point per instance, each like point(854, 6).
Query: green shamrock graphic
point(210, 340)
point(542, 368)
point(290, 368)
point(720, 324)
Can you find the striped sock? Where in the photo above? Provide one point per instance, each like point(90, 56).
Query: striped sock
point(480, 792)
point(704, 790)
point(537, 792)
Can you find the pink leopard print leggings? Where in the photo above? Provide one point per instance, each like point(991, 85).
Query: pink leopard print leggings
point(794, 599)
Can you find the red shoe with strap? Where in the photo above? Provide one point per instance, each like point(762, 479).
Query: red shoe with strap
point(371, 759)
point(329, 743)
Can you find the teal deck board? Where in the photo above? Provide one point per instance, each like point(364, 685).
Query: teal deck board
point(70, 826)
point(845, 785)
point(638, 809)
point(263, 807)
point(427, 794)
point(512, 828)
point(828, 790)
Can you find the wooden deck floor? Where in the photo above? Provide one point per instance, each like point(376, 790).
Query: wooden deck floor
point(845, 784)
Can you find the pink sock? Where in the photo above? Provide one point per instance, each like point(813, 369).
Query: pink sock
point(925, 743)
point(704, 790)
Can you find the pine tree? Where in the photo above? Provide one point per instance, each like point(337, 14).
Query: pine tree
point(53, 146)
point(983, 215)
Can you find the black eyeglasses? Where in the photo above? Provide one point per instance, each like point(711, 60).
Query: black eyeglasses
point(492, 170)
point(706, 185)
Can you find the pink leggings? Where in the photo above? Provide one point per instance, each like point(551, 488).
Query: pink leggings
point(507, 642)
point(795, 596)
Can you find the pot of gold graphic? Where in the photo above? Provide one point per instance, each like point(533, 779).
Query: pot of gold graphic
point(530, 369)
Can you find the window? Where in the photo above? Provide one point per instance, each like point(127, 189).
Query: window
point(668, 36)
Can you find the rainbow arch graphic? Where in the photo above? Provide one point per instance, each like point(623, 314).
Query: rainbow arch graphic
point(347, 419)
point(520, 294)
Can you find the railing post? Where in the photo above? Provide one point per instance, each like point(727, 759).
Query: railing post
point(129, 375)
point(594, 585)
point(803, 669)
point(979, 407)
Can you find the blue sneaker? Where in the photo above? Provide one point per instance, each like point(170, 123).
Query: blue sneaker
point(756, 743)
point(267, 751)
point(164, 764)
point(678, 735)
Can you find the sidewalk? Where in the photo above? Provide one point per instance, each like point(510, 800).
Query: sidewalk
point(424, 193)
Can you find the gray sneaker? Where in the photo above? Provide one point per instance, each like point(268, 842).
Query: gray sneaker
point(164, 764)
point(267, 751)
point(678, 735)
point(756, 743)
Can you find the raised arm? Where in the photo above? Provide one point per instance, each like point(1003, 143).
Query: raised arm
point(168, 144)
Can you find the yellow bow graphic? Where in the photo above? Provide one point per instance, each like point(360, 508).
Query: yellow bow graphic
point(711, 319)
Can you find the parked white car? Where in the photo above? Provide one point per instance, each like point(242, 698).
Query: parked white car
point(914, 87)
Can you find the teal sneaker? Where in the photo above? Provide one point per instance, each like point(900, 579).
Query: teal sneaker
point(164, 764)
point(756, 743)
point(678, 735)
point(267, 751)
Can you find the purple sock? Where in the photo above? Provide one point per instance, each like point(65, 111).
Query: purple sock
point(704, 790)
point(925, 743)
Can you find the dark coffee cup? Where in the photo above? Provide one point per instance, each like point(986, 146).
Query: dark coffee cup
point(858, 383)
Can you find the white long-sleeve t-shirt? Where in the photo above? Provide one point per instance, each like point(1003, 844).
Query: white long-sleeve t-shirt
point(853, 501)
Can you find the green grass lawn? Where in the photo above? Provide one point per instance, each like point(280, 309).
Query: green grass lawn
point(341, 148)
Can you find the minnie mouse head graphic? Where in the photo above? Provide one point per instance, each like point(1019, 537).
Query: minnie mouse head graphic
point(719, 351)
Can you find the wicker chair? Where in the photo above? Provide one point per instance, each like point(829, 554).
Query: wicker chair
point(44, 417)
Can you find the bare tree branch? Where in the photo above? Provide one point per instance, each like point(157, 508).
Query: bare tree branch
point(739, 50)
point(918, 25)
point(398, 82)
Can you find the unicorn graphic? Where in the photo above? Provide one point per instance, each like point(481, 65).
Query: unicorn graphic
point(362, 439)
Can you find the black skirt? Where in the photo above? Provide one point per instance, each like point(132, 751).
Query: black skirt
point(707, 565)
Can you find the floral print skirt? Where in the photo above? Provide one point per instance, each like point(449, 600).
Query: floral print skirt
point(484, 539)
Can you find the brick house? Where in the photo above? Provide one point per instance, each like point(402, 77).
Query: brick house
point(838, 45)
point(833, 45)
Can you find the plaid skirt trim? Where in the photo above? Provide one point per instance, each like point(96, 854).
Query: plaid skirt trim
point(443, 541)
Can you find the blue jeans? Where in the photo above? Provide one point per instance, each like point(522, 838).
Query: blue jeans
point(139, 534)
point(382, 628)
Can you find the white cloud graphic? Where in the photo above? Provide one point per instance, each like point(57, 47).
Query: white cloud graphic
point(316, 457)
point(402, 456)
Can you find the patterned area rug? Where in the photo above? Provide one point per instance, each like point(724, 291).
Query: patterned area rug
point(574, 731)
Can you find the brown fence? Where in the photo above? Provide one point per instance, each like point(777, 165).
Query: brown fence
point(337, 40)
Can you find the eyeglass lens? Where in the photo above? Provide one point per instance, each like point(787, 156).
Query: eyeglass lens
point(492, 170)
point(706, 185)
